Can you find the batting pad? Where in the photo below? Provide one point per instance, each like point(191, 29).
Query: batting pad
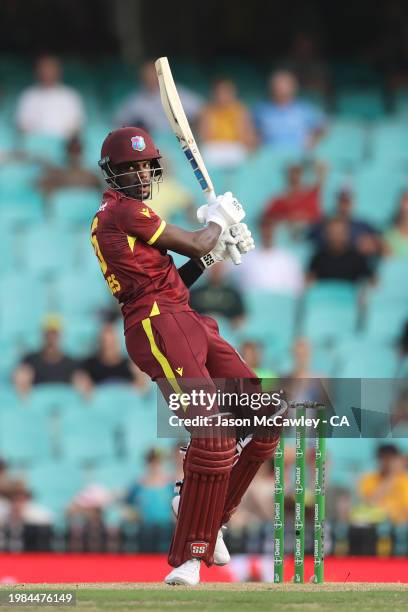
point(207, 467)
point(250, 460)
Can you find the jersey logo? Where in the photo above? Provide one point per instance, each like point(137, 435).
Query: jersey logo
point(179, 371)
point(145, 212)
point(102, 206)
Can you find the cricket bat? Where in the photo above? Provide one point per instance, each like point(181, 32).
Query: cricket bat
point(179, 124)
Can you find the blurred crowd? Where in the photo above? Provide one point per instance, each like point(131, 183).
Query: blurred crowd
point(341, 246)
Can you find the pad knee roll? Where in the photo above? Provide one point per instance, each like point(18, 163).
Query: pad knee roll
point(207, 468)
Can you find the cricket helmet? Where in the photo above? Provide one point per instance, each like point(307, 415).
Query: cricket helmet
point(128, 144)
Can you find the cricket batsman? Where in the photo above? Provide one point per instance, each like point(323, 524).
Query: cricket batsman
point(168, 340)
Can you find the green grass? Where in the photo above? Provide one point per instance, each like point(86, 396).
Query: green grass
point(225, 597)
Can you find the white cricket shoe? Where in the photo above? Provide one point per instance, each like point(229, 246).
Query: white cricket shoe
point(221, 554)
point(188, 573)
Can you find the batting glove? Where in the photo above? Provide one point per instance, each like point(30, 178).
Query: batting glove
point(225, 211)
point(233, 242)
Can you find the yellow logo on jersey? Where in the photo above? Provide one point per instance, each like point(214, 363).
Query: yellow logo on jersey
point(179, 371)
point(145, 212)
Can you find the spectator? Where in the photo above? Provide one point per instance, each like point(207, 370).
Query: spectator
point(363, 236)
point(144, 108)
point(49, 107)
point(5, 478)
point(226, 127)
point(386, 490)
point(218, 297)
point(270, 268)
point(48, 365)
point(149, 499)
point(396, 238)
point(300, 203)
point(285, 122)
point(22, 509)
point(73, 174)
point(303, 383)
point(251, 352)
point(337, 259)
point(107, 364)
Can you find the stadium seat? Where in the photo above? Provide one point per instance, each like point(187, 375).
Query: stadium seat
point(21, 209)
point(329, 312)
point(53, 397)
point(47, 251)
point(361, 358)
point(47, 147)
point(80, 336)
point(25, 436)
point(392, 273)
point(376, 192)
point(385, 318)
point(344, 145)
point(55, 483)
point(388, 144)
point(74, 206)
point(86, 436)
point(18, 322)
point(118, 475)
point(18, 177)
point(358, 104)
point(79, 294)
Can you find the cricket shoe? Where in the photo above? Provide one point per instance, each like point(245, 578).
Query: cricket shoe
point(188, 573)
point(221, 554)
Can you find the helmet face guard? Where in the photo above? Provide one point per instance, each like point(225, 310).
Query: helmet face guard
point(130, 145)
point(110, 176)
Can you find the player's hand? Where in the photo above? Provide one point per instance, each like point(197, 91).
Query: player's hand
point(225, 211)
point(245, 242)
point(233, 242)
point(226, 245)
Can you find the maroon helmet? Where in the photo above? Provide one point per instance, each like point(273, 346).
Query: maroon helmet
point(128, 144)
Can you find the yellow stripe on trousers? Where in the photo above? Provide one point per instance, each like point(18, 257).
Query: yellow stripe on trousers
point(162, 359)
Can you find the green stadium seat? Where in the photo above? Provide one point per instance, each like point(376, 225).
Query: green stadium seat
point(389, 144)
point(392, 273)
point(118, 475)
point(80, 335)
point(17, 321)
point(9, 400)
point(86, 436)
point(362, 358)
point(54, 484)
point(385, 318)
point(21, 209)
point(376, 192)
point(344, 145)
point(79, 294)
point(53, 397)
point(330, 312)
point(74, 206)
point(348, 459)
point(47, 251)
point(18, 177)
point(25, 436)
point(46, 146)
point(366, 104)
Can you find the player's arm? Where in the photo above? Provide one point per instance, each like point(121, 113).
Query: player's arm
point(191, 271)
point(192, 244)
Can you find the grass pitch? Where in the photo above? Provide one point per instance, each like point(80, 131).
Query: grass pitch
point(223, 597)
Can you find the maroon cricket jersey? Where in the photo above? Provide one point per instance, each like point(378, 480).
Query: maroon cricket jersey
point(141, 276)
